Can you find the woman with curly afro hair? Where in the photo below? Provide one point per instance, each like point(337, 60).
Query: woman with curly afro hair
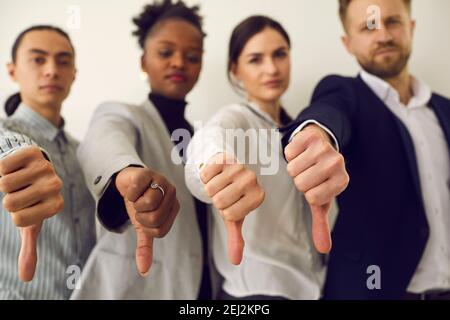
point(134, 161)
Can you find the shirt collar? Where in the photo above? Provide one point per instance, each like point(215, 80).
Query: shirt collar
point(255, 108)
point(38, 123)
point(421, 91)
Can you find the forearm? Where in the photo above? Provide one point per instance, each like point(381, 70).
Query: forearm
point(206, 143)
point(102, 156)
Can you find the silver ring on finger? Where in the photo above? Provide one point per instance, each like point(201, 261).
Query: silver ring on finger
point(155, 186)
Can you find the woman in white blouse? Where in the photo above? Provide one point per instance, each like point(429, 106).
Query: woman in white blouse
point(279, 260)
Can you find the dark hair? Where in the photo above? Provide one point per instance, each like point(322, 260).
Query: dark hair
point(19, 39)
point(344, 4)
point(245, 31)
point(165, 10)
point(13, 102)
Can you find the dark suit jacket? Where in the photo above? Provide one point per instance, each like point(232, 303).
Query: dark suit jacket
point(381, 218)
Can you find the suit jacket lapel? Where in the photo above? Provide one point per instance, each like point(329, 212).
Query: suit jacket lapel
point(406, 138)
point(442, 112)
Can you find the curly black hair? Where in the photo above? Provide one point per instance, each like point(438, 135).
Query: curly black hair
point(163, 10)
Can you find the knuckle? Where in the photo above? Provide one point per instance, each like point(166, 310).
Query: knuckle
point(219, 202)
point(315, 135)
point(44, 167)
point(203, 176)
point(252, 176)
point(139, 178)
point(148, 220)
point(19, 220)
point(344, 182)
point(161, 180)
point(152, 206)
point(262, 195)
point(209, 190)
point(55, 184)
point(177, 206)
point(248, 182)
point(330, 168)
point(9, 203)
point(3, 166)
point(170, 192)
point(227, 214)
point(311, 136)
point(31, 153)
point(312, 198)
point(324, 148)
point(290, 169)
point(59, 204)
point(5, 184)
point(338, 161)
point(337, 165)
point(239, 167)
point(299, 185)
point(235, 170)
point(34, 152)
point(288, 153)
point(258, 199)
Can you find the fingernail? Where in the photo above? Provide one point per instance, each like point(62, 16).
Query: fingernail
point(145, 275)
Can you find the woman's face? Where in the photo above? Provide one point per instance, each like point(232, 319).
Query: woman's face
point(264, 66)
point(173, 58)
point(44, 68)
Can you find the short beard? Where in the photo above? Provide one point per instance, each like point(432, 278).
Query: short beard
point(389, 70)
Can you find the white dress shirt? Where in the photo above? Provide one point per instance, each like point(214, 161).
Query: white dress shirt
point(279, 257)
point(432, 155)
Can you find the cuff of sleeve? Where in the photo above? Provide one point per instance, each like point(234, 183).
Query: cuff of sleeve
point(206, 144)
point(102, 185)
point(308, 122)
point(197, 166)
point(14, 149)
point(9, 152)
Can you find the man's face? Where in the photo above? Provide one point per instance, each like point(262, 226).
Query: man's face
point(383, 52)
point(44, 68)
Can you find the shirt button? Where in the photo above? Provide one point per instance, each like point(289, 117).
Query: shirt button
point(97, 180)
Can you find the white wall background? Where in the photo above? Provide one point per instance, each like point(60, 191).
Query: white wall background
point(108, 56)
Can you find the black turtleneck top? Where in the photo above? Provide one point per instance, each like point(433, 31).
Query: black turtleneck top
point(173, 114)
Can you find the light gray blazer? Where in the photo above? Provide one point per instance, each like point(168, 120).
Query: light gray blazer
point(121, 135)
